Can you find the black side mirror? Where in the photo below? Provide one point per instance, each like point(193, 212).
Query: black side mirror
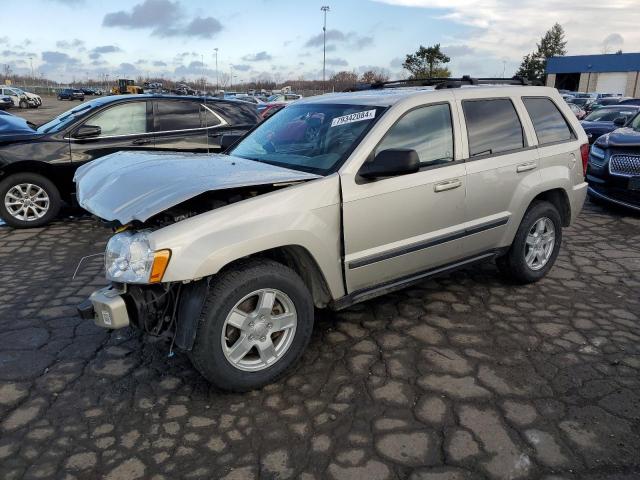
point(391, 163)
point(88, 131)
point(620, 121)
point(227, 140)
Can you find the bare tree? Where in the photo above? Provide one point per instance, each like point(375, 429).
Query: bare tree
point(374, 76)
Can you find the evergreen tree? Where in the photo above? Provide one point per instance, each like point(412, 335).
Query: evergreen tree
point(427, 62)
point(552, 44)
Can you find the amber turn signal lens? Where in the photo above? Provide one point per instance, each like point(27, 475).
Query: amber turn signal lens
point(160, 262)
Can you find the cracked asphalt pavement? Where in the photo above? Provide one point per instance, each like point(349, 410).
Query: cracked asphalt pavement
point(460, 377)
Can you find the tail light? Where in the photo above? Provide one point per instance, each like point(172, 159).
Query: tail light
point(584, 151)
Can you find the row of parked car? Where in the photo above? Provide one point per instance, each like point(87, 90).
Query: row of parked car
point(612, 125)
point(42, 159)
point(14, 97)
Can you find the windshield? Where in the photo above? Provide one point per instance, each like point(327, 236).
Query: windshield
point(63, 119)
point(609, 114)
point(314, 138)
point(635, 123)
point(580, 101)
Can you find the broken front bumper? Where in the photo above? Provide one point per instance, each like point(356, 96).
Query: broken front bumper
point(154, 309)
point(106, 307)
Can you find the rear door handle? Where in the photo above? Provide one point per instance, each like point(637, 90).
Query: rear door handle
point(525, 167)
point(447, 185)
point(142, 141)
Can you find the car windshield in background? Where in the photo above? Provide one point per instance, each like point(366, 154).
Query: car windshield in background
point(314, 138)
point(635, 123)
point(580, 101)
point(609, 114)
point(63, 119)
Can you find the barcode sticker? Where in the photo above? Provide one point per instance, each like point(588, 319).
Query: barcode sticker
point(353, 117)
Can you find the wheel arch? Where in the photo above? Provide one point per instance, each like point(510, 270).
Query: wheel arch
point(559, 198)
point(301, 261)
point(40, 168)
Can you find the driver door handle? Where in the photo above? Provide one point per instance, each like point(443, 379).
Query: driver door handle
point(142, 141)
point(447, 185)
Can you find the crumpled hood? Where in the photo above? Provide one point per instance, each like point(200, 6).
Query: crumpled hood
point(14, 128)
point(127, 186)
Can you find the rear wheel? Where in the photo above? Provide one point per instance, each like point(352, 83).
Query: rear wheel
point(256, 323)
point(28, 200)
point(536, 245)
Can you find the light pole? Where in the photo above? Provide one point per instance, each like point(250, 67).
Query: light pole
point(324, 9)
point(217, 81)
point(31, 60)
point(203, 79)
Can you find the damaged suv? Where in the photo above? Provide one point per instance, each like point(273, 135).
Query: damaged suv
point(334, 200)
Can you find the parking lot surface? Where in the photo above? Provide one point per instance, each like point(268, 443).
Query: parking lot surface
point(461, 377)
point(50, 108)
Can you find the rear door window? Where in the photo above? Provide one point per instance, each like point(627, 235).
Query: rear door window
point(493, 126)
point(177, 115)
point(548, 122)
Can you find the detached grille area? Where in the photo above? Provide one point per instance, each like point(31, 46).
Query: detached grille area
point(628, 165)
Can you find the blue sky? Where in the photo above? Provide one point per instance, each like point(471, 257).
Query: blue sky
point(279, 39)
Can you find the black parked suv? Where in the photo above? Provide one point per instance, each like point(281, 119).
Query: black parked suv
point(71, 94)
point(613, 171)
point(37, 166)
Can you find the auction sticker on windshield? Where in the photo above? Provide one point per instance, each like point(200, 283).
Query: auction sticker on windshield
point(353, 117)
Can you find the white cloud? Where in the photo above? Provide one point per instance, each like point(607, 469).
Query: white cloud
point(510, 28)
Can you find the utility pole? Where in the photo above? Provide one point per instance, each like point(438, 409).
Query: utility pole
point(324, 9)
point(217, 78)
point(31, 60)
point(203, 79)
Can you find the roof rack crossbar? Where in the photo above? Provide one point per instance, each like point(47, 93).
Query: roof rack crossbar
point(440, 82)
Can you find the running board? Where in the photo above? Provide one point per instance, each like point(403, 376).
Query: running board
point(402, 282)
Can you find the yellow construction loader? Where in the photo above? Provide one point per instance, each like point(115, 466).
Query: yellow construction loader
point(126, 86)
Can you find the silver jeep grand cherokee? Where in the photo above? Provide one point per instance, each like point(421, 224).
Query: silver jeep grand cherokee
point(334, 200)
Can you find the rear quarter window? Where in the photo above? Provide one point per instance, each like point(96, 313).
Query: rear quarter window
point(548, 122)
point(493, 126)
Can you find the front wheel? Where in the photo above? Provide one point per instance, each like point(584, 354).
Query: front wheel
point(23, 104)
point(536, 245)
point(28, 200)
point(256, 323)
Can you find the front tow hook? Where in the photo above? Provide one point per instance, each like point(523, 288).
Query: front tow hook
point(86, 310)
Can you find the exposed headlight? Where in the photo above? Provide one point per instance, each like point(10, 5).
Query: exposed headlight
point(129, 259)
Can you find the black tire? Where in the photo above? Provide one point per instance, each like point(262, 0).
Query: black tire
point(513, 264)
point(23, 104)
point(47, 185)
point(227, 289)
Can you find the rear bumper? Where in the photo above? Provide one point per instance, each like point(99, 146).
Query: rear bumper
point(578, 196)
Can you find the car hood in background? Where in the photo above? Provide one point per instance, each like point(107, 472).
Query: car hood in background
point(128, 186)
point(622, 137)
point(597, 125)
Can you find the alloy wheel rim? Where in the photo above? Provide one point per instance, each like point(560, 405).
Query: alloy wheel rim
point(27, 202)
point(259, 330)
point(539, 244)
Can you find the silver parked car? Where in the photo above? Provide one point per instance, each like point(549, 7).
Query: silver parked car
point(334, 200)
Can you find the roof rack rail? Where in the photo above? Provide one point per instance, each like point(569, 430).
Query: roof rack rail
point(440, 83)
